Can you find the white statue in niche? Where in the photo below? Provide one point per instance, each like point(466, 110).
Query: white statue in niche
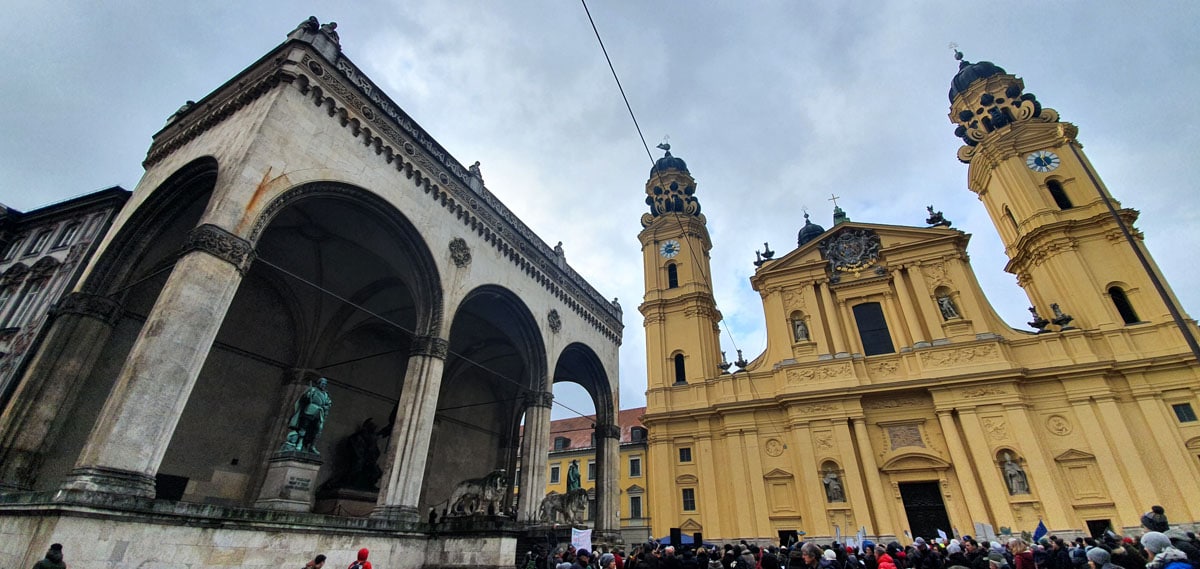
point(946, 305)
point(800, 330)
point(1014, 476)
point(833, 487)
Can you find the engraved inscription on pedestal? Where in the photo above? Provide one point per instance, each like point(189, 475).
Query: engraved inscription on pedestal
point(290, 482)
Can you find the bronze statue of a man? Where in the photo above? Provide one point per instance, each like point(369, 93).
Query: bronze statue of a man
point(308, 419)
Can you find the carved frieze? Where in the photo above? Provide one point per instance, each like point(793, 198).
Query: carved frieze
point(971, 354)
point(884, 368)
point(544, 399)
point(905, 435)
point(823, 440)
point(101, 308)
point(820, 373)
point(793, 300)
point(982, 391)
point(220, 244)
point(608, 431)
point(896, 403)
point(936, 275)
point(431, 346)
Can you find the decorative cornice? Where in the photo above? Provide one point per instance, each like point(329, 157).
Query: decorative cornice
point(431, 346)
point(220, 244)
point(187, 125)
point(101, 308)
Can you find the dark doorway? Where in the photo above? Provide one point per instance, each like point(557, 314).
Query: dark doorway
point(1098, 527)
point(925, 509)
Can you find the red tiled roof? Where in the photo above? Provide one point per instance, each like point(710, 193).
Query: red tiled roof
point(580, 429)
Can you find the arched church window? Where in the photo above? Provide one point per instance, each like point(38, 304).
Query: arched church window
point(1059, 195)
point(1123, 306)
point(1011, 219)
point(680, 370)
point(873, 329)
point(672, 276)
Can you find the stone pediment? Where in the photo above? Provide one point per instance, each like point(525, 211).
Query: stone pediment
point(635, 489)
point(686, 479)
point(1074, 454)
point(891, 238)
point(777, 474)
point(914, 460)
point(690, 526)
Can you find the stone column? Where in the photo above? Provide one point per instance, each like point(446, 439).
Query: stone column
point(408, 447)
point(962, 469)
point(134, 428)
point(608, 465)
point(882, 505)
point(46, 394)
point(535, 450)
point(833, 318)
point(910, 314)
point(852, 479)
point(812, 493)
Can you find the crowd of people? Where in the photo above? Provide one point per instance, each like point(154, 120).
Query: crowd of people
point(1159, 546)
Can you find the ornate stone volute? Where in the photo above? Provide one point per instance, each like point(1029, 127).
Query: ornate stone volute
point(670, 189)
point(539, 399)
point(220, 244)
point(984, 98)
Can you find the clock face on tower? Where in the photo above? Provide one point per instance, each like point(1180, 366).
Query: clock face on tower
point(1042, 161)
point(669, 249)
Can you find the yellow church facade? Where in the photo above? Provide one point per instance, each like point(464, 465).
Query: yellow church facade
point(891, 396)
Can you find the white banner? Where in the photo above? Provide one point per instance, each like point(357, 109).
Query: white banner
point(581, 538)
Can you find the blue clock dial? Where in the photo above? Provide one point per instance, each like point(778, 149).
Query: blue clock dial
point(669, 249)
point(1042, 161)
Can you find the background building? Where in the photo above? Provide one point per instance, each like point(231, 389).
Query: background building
point(890, 395)
point(574, 439)
point(43, 251)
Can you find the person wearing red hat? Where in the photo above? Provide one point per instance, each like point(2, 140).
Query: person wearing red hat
point(362, 562)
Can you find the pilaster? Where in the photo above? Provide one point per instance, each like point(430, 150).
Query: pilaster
point(967, 476)
point(881, 512)
point(535, 448)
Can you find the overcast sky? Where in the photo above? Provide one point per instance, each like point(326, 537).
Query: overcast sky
point(774, 106)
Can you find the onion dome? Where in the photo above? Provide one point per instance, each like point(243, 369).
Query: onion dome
point(969, 73)
point(670, 189)
point(809, 232)
point(668, 162)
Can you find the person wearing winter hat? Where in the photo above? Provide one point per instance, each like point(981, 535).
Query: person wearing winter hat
point(362, 562)
point(886, 561)
point(608, 561)
point(996, 560)
point(1099, 558)
point(1156, 520)
point(583, 558)
point(53, 559)
point(1166, 556)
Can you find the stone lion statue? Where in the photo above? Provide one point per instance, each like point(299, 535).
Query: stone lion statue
point(479, 495)
point(564, 508)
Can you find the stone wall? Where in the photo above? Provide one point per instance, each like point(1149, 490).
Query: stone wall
point(95, 538)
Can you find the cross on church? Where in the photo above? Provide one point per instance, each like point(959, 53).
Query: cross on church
point(834, 199)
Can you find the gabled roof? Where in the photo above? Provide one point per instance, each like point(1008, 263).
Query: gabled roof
point(893, 236)
point(579, 429)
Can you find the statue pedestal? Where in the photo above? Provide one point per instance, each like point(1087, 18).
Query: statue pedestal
point(346, 503)
point(290, 482)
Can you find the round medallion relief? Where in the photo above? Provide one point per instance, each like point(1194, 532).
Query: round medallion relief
point(774, 447)
point(1058, 425)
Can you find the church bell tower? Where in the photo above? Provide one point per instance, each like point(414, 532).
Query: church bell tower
point(1049, 206)
point(681, 317)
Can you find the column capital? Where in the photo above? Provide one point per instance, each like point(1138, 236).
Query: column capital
point(544, 399)
point(221, 244)
point(431, 346)
point(608, 431)
point(93, 306)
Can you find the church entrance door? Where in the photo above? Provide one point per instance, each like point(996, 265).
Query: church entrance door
point(925, 509)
